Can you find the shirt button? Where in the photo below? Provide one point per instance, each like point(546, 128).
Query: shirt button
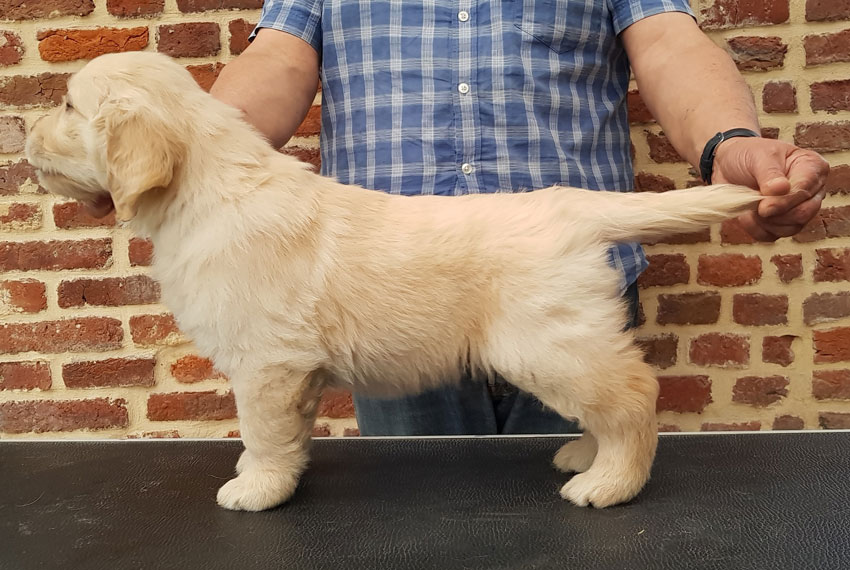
point(463, 15)
point(463, 88)
point(466, 168)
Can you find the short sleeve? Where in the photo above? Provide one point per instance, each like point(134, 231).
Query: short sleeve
point(301, 18)
point(627, 12)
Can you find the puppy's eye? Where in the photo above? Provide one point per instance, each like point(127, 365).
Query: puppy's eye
point(68, 106)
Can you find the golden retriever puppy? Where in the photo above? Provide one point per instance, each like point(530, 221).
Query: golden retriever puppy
point(291, 282)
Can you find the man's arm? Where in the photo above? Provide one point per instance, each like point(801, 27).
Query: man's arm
point(273, 82)
point(694, 90)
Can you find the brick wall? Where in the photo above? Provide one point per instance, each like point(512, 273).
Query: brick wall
point(745, 336)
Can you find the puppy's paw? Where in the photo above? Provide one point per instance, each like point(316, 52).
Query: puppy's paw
point(589, 489)
point(256, 490)
point(576, 456)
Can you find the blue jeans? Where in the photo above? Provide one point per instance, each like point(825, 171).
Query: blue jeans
point(469, 408)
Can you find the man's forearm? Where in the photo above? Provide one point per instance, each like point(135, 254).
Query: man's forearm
point(273, 82)
point(690, 85)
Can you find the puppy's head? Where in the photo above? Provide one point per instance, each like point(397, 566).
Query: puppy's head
point(118, 134)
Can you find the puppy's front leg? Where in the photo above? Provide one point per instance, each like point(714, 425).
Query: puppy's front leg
point(276, 409)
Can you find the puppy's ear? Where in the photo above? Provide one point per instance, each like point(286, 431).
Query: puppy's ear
point(141, 153)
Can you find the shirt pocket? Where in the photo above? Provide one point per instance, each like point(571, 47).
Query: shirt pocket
point(562, 25)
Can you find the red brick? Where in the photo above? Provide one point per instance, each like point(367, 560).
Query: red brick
point(760, 391)
point(351, 432)
point(823, 137)
point(114, 373)
point(312, 123)
point(832, 345)
point(73, 44)
point(734, 426)
point(728, 270)
point(779, 97)
point(837, 182)
point(732, 232)
point(688, 308)
point(234, 433)
point(239, 31)
point(665, 270)
point(13, 134)
point(309, 155)
point(205, 5)
point(720, 349)
point(701, 236)
point(17, 217)
point(770, 132)
point(826, 307)
point(832, 265)
point(131, 8)
point(321, 430)
point(11, 48)
point(834, 420)
point(205, 74)
point(43, 90)
point(638, 111)
point(778, 349)
point(788, 423)
point(193, 39)
point(683, 393)
point(25, 376)
point(63, 415)
point(833, 222)
point(668, 428)
point(659, 350)
point(38, 9)
point(55, 255)
point(151, 330)
point(788, 267)
point(140, 252)
point(108, 292)
point(651, 182)
point(722, 14)
point(72, 215)
point(756, 309)
point(67, 335)
point(827, 10)
point(831, 384)
point(22, 296)
point(190, 369)
point(757, 53)
point(336, 404)
point(813, 231)
point(830, 96)
point(15, 175)
point(194, 406)
point(661, 149)
point(827, 48)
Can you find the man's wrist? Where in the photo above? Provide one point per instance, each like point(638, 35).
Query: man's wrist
point(706, 162)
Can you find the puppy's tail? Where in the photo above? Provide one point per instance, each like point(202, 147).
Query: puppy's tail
point(648, 215)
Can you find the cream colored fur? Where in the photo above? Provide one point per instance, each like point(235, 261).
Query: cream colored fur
point(291, 282)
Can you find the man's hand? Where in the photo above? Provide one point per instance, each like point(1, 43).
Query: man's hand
point(791, 177)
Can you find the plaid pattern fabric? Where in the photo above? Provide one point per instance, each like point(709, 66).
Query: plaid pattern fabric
point(462, 96)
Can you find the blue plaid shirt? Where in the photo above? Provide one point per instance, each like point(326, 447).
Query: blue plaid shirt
point(462, 96)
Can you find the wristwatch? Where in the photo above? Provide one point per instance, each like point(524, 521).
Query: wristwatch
point(706, 161)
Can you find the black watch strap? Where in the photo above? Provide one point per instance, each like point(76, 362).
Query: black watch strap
point(706, 161)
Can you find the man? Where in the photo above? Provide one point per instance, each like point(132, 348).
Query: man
point(453, 97)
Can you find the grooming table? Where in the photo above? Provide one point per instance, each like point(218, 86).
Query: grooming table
point(725, 501)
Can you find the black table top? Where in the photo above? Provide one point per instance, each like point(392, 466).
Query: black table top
point(732, 501)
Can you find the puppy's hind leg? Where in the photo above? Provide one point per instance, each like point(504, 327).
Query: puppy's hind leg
point(277, 409)
point(619, 410)
point(613, 395)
